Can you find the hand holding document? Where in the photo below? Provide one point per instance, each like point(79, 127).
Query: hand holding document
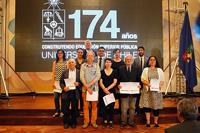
point(155, 85)
point(108, 99)
point(70, 83)
point(57, 87)
point(92, 97)
point(129, 88)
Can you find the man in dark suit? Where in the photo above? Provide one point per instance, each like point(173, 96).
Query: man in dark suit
point(187, 111)
point(141, 60)
point(88, 46)
point(140, 63)
point(100, 60)
point(128, 73)
point(70, 83)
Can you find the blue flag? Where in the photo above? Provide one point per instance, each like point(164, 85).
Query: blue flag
point(186, 54)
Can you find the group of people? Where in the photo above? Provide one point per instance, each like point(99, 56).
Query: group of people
point(92, 73)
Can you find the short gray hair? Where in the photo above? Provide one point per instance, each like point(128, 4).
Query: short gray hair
point(188, 109)
point(128, 55)
point(71, 59)
point(90, 52)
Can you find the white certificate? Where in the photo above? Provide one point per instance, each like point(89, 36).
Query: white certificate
point(110, 98)
point(57, 87)
point(155, 85)
point(129, 88)
point(70, 83)
point(92, 97)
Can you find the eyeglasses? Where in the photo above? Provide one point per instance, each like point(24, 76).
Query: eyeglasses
point(152, 60)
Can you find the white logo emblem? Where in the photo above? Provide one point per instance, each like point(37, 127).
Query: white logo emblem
point(53, 21)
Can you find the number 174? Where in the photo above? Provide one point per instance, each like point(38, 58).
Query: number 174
point(111, 17)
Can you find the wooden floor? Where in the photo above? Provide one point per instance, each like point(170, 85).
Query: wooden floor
point(60, 129)
point(46, 103)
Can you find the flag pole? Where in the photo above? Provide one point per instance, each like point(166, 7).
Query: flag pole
point(170, 80)
point(4, 83)
point(186, 4)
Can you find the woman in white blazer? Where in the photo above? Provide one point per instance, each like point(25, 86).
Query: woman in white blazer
point(151, 96)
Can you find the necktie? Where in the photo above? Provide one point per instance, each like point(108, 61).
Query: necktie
point(100, 60)
point(141, 64)
point(129, 73)
point(129, 69)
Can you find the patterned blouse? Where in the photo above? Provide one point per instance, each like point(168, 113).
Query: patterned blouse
point(61, 66)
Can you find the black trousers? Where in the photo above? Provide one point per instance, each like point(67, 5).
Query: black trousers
point(69, 115)
point(100, 103)
point(108, 112)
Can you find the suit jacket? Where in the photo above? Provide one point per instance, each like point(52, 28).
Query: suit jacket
point(125, 76)
point(65, 75)
point(102, 62)
point(189, 126)
point(137, 64)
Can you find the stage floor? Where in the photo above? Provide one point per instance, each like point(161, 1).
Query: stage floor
point(47, 102)
point(23, 114)
point(60, 129)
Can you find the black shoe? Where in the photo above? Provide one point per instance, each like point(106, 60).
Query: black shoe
point(66, 126)
point(73, 126)
point(156, 125)
point(122, 125)
point(110, 125)
point(148, 125)
point(105, 124)
point(132, 124)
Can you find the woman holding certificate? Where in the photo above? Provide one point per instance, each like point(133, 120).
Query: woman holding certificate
point(151, 97)
point(107, 83)
point(59, 66)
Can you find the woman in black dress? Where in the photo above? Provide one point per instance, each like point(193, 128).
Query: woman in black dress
point(108, 82)
point(79, 61)
point(117, 61)
point(116, 64)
